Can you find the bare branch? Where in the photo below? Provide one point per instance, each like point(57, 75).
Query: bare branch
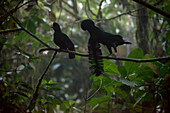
point(88, 5)
point(75, 15)
point(35, 95)
point(166, 14)
point(99, 11)
point(11, 30)
point(129, 12)
point(109, 57)
point(24, 28)
point(95, 91)
point(67, 4)
point(16, 8)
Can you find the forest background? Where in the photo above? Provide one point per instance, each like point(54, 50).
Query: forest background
point(137, 80)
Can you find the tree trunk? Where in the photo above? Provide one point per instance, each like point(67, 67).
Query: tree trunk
point(142, 31)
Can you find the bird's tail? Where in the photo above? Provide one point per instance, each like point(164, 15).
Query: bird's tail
point(96, 62)
point(127, 43)
point(71, 55)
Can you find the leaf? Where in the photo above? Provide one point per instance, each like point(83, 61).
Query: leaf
point(18, 37)
point(18, 78)
point(132, 66)
point(120, 93)
point(50, 82)
point(122, 70)
point(31, 26)
point(165, 70)
point(44, 81)
point(71, 102)
point(97, 100)
point(128, 83)
point(146, 73)
point(24, 84)
point(66, 103)
point(110, 67)
point(22, 94)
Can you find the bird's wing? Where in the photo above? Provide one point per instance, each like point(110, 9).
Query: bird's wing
point(67, 42)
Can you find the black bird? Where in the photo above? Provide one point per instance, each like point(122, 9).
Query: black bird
point(100, 36)
point(62, 40)
point(94, 51)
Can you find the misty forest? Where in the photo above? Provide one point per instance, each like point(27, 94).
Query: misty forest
point(84, 56)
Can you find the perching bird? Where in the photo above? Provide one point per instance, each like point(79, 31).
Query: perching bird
point(94, 51)
point(62, 40)
point(100, 36)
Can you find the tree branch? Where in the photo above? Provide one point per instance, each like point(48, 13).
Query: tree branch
point(24, 28)
point(75, 15)
point(153, 8)
point(109, 57)
point(88, 5)
point(35, 95)
point(99, 11)
point(67, 4)
point(95, 91)
point(11, 30)
point(129, 12)
point(15, 9)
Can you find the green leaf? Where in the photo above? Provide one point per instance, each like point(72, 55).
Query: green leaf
point(18, 78)
point(132, 66)
point(31, 26)
point(50, 82)
point(66, 103)
point(122, 70)
point(110, 67)
point(120, 93)
point(18, 37)
point(97, 100)
point(165, 70)
point(128, 83)
point(145, 73)
point(22, 94)
point(44, 81)
point(71, 102)
point(25, 85)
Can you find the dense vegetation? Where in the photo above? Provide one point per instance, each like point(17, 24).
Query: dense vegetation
point(34, 81)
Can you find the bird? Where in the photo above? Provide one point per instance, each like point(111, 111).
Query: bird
point(95, 61)
point(94, 51)
point(100, 36)
point(62, 40)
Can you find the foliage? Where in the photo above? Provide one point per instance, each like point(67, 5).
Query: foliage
point(68, 85)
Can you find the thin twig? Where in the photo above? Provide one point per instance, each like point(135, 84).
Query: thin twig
point(129, 12)
point(35, 95)
point(88, 6)
point(95, 91)
point(24, 28)
point(109, 57)
point(11, 30)
point(100, 7)
point(16, 8)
